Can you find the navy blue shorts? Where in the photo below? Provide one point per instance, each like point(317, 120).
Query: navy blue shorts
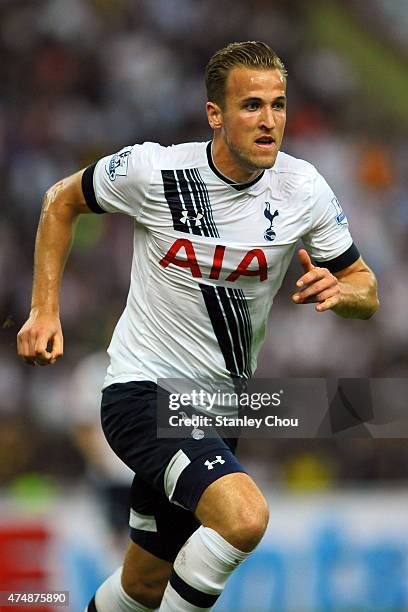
point(171, 473)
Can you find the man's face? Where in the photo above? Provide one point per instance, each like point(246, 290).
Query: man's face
point(253, 118)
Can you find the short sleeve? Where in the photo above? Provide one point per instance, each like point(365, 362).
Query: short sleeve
point(329, 241)
point(120, 182)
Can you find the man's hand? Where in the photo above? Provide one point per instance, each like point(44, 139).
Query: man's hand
point(316, 285)
point(38, 332)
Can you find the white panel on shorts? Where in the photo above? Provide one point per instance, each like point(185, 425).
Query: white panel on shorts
point(144, 522)
point(176, 465)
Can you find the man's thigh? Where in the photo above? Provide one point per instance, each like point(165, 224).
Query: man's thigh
point(178, 469)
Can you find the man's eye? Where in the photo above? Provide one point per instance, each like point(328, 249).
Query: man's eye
point(252, 105)
point(279, 105)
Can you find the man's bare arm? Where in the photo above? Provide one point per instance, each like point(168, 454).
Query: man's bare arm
point(359, 298)
point(62, 205)
point(350, 293)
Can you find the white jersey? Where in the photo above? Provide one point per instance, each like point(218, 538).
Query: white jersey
point(209, 255)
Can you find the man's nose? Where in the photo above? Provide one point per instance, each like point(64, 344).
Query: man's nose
point(268, 118)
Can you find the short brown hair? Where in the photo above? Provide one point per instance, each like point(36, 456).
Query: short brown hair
point(250, 53)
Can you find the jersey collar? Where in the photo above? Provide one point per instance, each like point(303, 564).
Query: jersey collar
point(225, 179)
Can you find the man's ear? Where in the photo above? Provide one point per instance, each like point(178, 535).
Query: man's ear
point(214, 115)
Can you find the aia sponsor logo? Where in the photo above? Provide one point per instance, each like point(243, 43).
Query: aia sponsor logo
point(182, 254)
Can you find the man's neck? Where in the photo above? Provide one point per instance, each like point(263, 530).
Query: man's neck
point(228, 165)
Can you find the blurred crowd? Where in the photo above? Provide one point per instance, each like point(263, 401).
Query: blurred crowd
point(83, 78)
point(392, 16)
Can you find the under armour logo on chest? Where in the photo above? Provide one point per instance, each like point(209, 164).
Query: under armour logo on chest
point(210, 464)
point(196, 219)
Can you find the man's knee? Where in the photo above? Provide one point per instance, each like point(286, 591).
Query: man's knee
point(249, 527)
point(235, 508)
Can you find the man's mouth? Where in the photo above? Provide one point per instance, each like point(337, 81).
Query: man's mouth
point(265, 141)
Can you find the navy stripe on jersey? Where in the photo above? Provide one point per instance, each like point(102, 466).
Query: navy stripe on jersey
point(190, 594)
point(198, 203)
point(230, 318)
point(189, 203)
point(201, 195)
point(241, 310)
point(173, 200)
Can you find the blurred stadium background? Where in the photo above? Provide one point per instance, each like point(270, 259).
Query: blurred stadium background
point(82, 78)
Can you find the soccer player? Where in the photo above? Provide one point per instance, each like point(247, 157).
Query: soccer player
point(215, 228)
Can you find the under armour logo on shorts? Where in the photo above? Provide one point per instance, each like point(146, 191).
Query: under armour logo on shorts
point(210, 464)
